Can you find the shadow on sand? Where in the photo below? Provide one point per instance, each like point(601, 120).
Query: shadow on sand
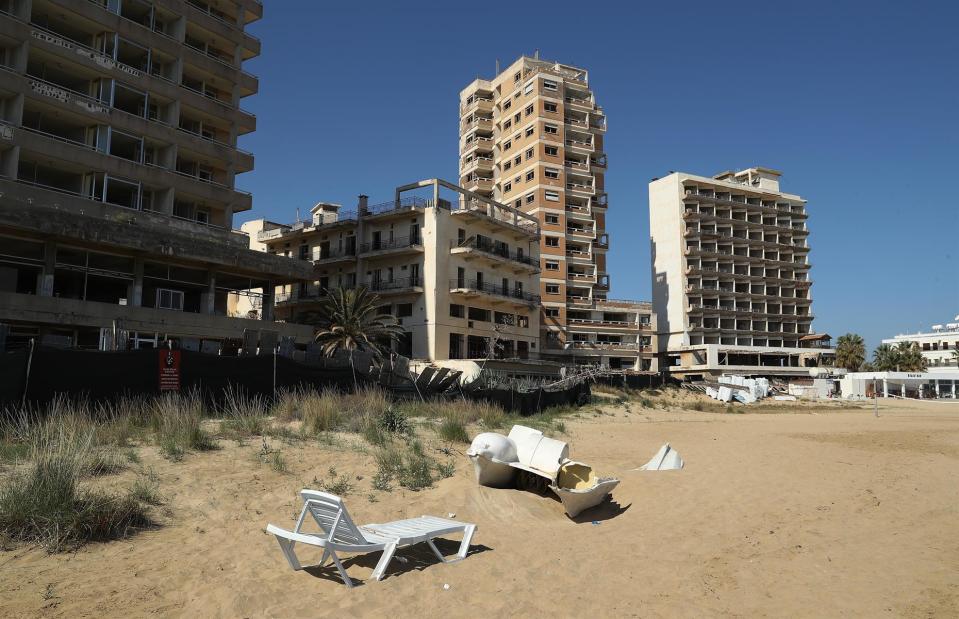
point(417, 557)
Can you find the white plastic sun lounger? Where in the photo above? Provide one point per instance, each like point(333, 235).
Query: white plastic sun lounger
point(340, 534)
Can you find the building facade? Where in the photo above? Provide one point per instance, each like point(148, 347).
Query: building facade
point(458, 270)
point(532, 138)
point(939, 346)
point(731, 275)
point(118, 153)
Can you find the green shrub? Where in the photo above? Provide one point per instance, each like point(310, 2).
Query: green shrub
point(176, 421)
point(146, 489)
point(244, 416)
point(453, 430)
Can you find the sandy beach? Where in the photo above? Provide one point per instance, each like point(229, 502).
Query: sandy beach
point(808, 512)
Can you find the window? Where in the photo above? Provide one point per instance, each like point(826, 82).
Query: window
point(549, 107)
point(552, 219)
point(551, 241)
point(551, 173)
point(508, 187)
point(518, 179)
point(508, 145)
point(553, 129)
point(551, 312)
point(529, 109)
point(480, 314)
point(530, 130)
point(549, 85)
point(528, 87)
point(530, 175)
point(507, 165)
point(522, 321)
point(552, 196)
point(530, 198)
point(551, 151)
point(552, 266)
point(518, 76)
point(517, 117)
point(518, 203)
point(507, 124)
point(507, 104)
point(457, 311)
point(503, 318)
point(552, 288)
point(404, 309)
point(169, 299)
point(518, 160)
point(529, 153)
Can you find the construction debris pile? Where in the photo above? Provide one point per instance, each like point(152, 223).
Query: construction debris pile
point(731, 387)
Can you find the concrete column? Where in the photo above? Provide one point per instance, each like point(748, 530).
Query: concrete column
point(266, 313)
point(208, 298)
point(45, 285)
point(136, 293)
point(885, 388)
point(23, 9)
point(937, 389)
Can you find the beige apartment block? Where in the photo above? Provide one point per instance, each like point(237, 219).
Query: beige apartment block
point(118, 154)
point(458, 270)
point(532, 137)
point(731, 283)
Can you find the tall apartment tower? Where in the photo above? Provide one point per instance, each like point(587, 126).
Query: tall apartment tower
point(532, 137)
point(731, 284)
point(118, 153)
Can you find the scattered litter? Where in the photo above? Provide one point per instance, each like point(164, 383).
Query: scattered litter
point(528, 456)
point(401, 559)
point(446, 587)
point(451, 515)
point(596, 522)
point(784, 398)
point(666, 459)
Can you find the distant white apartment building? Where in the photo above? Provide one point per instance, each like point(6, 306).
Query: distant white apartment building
point(938, 345)
point(731, 285)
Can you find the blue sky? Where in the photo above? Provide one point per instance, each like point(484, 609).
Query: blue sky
point(856, 102)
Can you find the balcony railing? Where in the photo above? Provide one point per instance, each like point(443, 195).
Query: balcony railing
point(493, 289)
point(579, 144)
point(403, 283)
point(334, 254)
point(487, 246)
point(396, 243)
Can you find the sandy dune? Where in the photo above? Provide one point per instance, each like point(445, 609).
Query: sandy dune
point(794, 514)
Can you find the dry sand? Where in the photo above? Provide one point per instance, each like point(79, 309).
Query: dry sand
point(794, 514)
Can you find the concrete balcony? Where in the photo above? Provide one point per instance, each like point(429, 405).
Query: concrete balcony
point(404, 285)
point(579, 146)
point(473, 288)
point(394, 247)
point(487, 250)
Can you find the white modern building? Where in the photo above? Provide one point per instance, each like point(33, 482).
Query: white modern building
point(731, 284)
point(938, 345)
point(921, 385)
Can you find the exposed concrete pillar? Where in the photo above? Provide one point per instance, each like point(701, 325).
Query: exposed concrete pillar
point(45, 285)
point(10, 161)
point(23, 9)
point(266, 313)
point(136, 292)
point(228, 217)
point(885, 388)
point(208, 298)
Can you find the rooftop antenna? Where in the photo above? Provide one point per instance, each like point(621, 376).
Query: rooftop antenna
point(497, 66)
point(298, 214)
point(536, 54)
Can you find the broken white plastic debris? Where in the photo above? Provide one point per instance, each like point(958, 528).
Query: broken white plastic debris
point(666, 459)
point(446, 587)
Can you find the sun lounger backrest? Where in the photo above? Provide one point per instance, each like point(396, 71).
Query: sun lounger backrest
point(331, 514)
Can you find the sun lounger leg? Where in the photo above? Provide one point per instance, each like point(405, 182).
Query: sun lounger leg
point(326, 555)
point(287, 547)
point(339, 566)
point(384, 561)
point(465, 544)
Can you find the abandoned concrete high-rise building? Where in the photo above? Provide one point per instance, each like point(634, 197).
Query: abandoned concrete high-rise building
point(118, 153)
point(731, 283)
point(532, 138)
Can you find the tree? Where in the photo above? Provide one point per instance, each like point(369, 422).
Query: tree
point(885, 358)
point(910, 357)
point(348, 320)
point(850, 352)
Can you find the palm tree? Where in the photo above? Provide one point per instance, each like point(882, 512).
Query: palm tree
point(885, 358)
point(850, 351)
point(348, 320)
point(910, 357)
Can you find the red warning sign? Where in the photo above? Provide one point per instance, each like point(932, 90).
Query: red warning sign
point(169, 370)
